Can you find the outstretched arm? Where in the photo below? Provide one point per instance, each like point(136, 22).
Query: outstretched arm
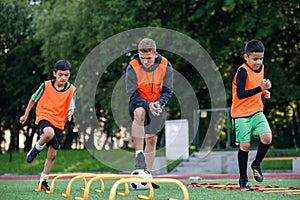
point(34, 98)
point(23, 119)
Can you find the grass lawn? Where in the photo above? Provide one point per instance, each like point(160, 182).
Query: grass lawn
point(11, 190)
point(72, 161)
point(102, 161)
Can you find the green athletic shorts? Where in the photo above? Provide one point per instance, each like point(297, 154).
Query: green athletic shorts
point(252, 126)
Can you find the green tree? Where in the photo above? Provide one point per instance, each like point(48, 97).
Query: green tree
point(19, 65)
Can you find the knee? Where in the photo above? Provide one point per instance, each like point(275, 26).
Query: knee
point(245, 146)
point(139, 115)
point(266, 138)
point(49, 133)
point(151, 141)
point(267, 141)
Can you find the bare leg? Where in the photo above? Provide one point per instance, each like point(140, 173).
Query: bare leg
point(51, 155)
point(150, 150)
point(138, 135)
point(46, 137)
point(138, 130)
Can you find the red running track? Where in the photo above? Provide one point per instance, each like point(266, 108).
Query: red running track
point(203, 176)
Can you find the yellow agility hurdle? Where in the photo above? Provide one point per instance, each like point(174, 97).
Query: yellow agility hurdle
point(56, 176)
point(64, 176)
point(113, 190)
point(107, 176)
point(80, 176)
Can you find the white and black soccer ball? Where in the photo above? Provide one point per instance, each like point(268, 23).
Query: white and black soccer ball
point(141, 185)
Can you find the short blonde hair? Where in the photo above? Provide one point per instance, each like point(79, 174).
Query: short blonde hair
point(147, 45)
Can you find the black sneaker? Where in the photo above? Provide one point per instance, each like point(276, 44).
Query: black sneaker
point(140, 162)
point(45, 186)
point(32, 154)
point(155, 186)
point(257, 174)
point(244, 183)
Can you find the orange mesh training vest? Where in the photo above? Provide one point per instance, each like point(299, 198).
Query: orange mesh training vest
point(150, 83)
point(53, 105)
point(248, 106)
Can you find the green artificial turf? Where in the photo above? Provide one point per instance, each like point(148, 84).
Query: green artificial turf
point(24, 190)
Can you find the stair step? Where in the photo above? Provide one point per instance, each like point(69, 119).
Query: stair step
point(210, 163)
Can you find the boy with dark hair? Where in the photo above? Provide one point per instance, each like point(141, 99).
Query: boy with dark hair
point(55, 104)
point(249, 120)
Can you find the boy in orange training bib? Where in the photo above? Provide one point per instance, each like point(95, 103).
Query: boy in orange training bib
point(55, 104)
point(249, 120)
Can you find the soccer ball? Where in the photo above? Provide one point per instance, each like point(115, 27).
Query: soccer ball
point(139, 185)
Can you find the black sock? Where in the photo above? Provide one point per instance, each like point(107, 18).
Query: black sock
point(243, 161)
point(261, 152)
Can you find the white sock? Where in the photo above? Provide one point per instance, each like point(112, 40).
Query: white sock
point(138, 151)
point(42, 176)
point(39, 147)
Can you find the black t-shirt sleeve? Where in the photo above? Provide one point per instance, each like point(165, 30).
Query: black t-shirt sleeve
point(241, 85)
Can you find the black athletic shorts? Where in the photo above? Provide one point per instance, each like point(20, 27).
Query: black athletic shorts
point(56, 141)
point(153, 124)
